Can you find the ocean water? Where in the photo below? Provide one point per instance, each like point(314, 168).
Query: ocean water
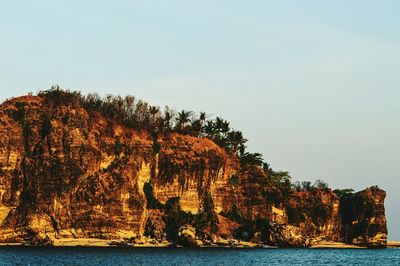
point(203, 257)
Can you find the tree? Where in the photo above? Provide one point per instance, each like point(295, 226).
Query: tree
point(154, 111)
point(168, 118)
point(209, 129)
point(203, 116)
point(320, 184)
point(236, 140)
point(306, 185)
point(218, 124)
point(183, 118)
point(251, 159)
point(225, 128)
point(196, 127)
point(280, 179)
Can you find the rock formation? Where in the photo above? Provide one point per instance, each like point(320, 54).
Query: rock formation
point(67, 171)
point(363, 218)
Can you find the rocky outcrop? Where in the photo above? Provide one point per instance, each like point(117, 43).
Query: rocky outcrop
point(363, 218)
point(315, 212)
point(284, 235)
point(187, 236)
point(70, 172)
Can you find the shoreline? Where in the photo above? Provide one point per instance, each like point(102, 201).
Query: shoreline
point(103, 243)
point(393, 244)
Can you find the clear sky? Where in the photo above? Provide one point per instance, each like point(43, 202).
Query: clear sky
point(314, 85)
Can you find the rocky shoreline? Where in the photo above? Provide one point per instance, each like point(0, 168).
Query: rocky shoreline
point(152, 243)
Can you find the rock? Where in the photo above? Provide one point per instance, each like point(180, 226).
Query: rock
point(284, 235)
point(41, 241)
point(363, 218)
point(316, 212)
point(257, 238)
point(221, 242)
point(187, 236)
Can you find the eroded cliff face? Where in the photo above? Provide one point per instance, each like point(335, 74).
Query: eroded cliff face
point(363, 218)
point(316, 213)
point(67, 172)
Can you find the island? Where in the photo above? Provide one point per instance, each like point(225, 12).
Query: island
point(85, 170)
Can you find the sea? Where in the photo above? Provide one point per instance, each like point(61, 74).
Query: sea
point(203, 257)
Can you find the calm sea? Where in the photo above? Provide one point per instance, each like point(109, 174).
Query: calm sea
point(204, 257)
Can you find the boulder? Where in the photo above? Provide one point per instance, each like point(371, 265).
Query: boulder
point(187, 236)
point(284, 235)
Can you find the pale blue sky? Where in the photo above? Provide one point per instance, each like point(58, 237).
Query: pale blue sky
point(314, 85)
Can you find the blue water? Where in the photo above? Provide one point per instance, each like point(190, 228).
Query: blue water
point(204, 257)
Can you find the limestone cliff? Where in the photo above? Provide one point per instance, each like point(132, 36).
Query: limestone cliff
point(67, 171)
point(363, 218)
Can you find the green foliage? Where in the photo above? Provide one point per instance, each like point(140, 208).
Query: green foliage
point(135, 113)
point(320, 184)
point(152, 202)
point(139, 114)
point(306, 185)
point(251, 159)
point(57, 96)
point(234, 180)
point(343, 193)
point(182, 121)
point(280, 179)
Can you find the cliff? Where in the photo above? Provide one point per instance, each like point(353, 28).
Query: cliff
point(68, 171)
point(363, 218)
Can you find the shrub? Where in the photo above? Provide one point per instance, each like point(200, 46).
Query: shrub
point(343, 193)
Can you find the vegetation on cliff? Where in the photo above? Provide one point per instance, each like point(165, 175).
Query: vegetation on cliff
point(136, 113)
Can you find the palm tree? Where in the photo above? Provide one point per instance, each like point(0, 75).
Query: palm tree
point(153, 110)
point(168, 115)
point(218, 124)
point(184, 117)
point(209, 128)
point(251, 159)
point(236, 140)
point(196, 127)
point(203, 116)
point(225, 128)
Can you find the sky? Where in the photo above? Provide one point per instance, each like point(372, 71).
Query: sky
point(314, 85)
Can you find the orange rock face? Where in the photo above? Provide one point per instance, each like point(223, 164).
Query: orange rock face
point(67, 172)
